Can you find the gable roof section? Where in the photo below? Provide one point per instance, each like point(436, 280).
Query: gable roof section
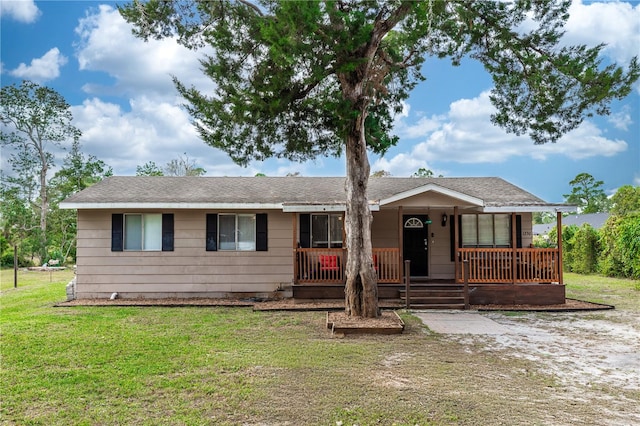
point(289, 193)
point(430, 187)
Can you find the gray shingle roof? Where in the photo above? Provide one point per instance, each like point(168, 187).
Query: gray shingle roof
point(283, 190)
point(596, 220)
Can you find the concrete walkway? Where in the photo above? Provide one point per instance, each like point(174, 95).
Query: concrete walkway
point(453, 322)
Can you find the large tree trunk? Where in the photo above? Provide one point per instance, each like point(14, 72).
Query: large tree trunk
point(361, 289)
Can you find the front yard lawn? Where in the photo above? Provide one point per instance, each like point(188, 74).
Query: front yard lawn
point(216, 365)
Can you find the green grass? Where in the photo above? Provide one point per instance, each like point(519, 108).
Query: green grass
point(624, 294)
point(213, 365)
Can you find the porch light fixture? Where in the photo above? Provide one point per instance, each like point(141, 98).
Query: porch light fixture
point(444, 219)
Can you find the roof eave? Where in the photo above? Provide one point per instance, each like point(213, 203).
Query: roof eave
point(523, 208)
point(171, 205)
point(435, 188)
point(310, 208)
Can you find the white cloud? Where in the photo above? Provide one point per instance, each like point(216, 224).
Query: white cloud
point(138, 67)
point(617, 24)
point(467, 136)
point(151, 131)
point(21, 10)
point(420, 128)
point(152, 127)
point(621, 119)
point(403, 164)
point(42, 69)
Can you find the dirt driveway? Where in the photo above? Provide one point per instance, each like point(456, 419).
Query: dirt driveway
point(594, 355)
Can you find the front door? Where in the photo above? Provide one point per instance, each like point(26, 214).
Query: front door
point(416, 244)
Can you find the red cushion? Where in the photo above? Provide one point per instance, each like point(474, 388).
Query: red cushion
point(329, 262)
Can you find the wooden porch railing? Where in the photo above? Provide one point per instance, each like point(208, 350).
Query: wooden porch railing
point(314, 265)
point(495, 265)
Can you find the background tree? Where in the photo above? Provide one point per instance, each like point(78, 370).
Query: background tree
point(543, 217)
point(183, 166)
point(19, 223)
point(380, 173)
point(300, 79)
point(626, 200)
point(423, 173)
point(149, 168)
point(77, 173)
point(587, 194)
point(35, 118)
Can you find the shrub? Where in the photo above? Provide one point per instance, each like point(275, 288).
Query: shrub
point(585, 250)
point(56, 255)
point(568, 242)
point(543, 241)
point(610, 263)
point(620, 241)
point(629, 245)
point(7, 259)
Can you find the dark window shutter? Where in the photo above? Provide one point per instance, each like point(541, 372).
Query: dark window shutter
point(167, 232)
point(305, 230)
point(212, 232)
point(518, 231)
point(452, 237)
point(261, 232)
point(117, 229)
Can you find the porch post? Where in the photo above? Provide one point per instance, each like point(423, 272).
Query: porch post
point(560, 264)
point(456, 239)
point(295, 247)
point(400, 240)
point(514, 249)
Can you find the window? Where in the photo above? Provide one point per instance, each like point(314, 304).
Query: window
point(326, 231)
point(486, 230)
point(142, 232)
point(236, 232)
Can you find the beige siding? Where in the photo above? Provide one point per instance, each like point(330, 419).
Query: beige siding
point(384, 229)
point(441, 266)
point(189, 270)
point(527, 229)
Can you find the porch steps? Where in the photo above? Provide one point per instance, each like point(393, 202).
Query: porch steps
point(434, 296)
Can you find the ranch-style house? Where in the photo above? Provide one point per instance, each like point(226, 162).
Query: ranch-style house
point(221, 237)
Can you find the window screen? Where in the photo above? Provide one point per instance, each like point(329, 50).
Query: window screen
point(133, 232)
point(143, 231)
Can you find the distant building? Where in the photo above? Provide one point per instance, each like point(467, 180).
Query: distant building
point(596, 220)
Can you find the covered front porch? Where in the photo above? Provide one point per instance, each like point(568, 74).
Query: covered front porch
point(486, 265)
point(509, 274)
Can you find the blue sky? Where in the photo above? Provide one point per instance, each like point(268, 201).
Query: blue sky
point(125, 104)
